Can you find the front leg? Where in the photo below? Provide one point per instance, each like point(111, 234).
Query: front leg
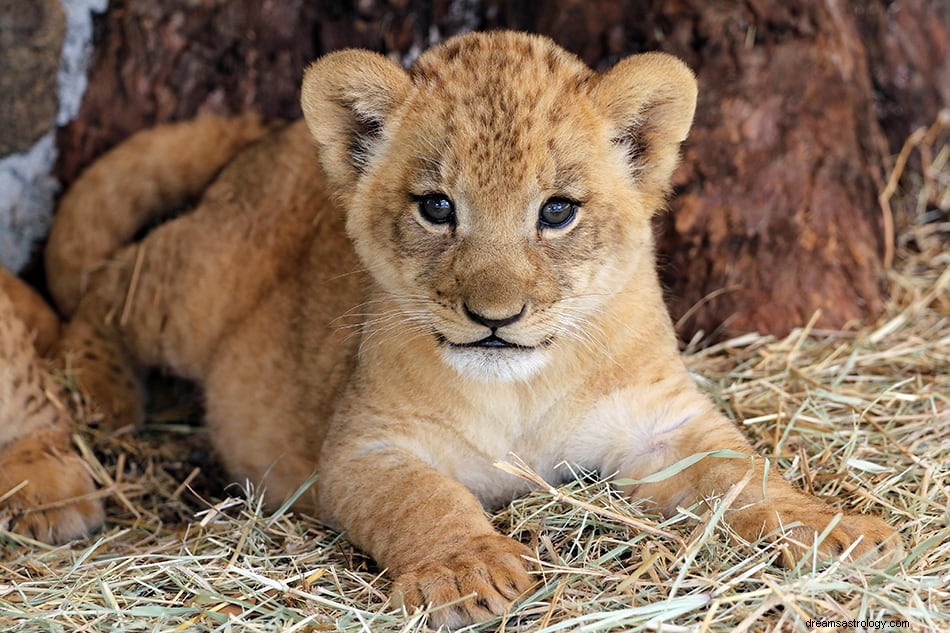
point(424, 527)
point(685, 424)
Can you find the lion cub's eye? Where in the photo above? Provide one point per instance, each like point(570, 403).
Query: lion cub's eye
point(557, 213)
point(436, 208)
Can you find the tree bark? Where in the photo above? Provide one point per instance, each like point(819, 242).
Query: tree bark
point(775, 210)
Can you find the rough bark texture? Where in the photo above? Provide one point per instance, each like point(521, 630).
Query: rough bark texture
point(776, 200)
point(908, 50)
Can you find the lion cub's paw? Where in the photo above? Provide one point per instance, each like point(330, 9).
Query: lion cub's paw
point(114, 397)
point(42, 509)
point(803, 519)
point(482, 579)
point(109, 386)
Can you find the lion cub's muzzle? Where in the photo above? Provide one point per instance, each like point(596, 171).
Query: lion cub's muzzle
point(493, 340)
point(497, 349)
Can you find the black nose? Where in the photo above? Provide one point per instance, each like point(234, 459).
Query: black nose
point(494, 324)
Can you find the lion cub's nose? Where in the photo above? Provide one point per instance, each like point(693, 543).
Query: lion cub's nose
point(494, 324)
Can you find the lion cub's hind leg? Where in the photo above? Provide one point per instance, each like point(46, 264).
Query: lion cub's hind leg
point(92, 354)
point(168, 300)
point(45, 487)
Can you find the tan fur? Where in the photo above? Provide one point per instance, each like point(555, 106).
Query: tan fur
point(37, 460)
point(322, 353)
point(180, 162)
point(32, 310)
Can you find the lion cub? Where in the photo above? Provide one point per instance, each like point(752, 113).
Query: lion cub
point(46, 491)
point(470, 274)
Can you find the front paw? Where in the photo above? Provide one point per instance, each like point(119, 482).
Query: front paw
point(802, 519)
point(53, 505)
point(482, 578)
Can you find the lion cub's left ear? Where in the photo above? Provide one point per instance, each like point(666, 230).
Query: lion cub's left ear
point(649, 101)
point(347, 97)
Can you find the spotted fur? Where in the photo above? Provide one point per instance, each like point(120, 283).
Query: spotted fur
point(47, 491)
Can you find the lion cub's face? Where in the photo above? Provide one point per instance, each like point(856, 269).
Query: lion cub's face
point(500, 191)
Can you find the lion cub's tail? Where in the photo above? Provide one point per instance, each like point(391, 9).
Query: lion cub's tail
point(151, 175)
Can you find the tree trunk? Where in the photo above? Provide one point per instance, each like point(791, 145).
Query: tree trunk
point(775, 212)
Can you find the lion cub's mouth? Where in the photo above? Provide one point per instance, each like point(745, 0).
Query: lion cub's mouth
point(493, 358)
point(492, 341)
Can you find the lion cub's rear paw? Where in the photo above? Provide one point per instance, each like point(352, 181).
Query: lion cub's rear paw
point(43, 509)
point(109, 385)
point(803, 519)
point(114, 397)
point(482, 578)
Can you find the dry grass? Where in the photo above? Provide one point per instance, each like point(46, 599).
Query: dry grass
point(861, 417)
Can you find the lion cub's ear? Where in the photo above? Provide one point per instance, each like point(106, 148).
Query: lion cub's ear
point(346, 98)
point(649, 100)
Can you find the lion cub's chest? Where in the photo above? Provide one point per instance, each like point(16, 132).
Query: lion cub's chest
point(503, 430)
point(619, 430)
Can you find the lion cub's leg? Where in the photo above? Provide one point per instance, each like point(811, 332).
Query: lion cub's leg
point(165, 302)
point(127, 321)
point(55, 503)
point(687, 424)
point(92, 353)
point(428, 531)
point(257, 413)
point(36, 458)
point(168, 300)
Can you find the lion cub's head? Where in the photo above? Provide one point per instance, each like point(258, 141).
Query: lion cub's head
point(499, 191)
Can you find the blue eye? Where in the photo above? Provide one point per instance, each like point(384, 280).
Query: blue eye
point(436, 208)
point(557, 213)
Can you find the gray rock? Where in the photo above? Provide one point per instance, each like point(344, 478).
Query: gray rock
point(44, 54)
point(31, 38)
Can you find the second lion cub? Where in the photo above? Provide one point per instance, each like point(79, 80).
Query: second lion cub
point(483, 220)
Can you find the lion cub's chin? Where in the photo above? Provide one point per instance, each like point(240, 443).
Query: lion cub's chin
point(495, 365)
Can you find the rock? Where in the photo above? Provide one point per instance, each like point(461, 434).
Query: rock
point(31, 37)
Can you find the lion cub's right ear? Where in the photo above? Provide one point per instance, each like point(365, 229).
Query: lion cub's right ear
point(347, 97)
point(649, 100)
